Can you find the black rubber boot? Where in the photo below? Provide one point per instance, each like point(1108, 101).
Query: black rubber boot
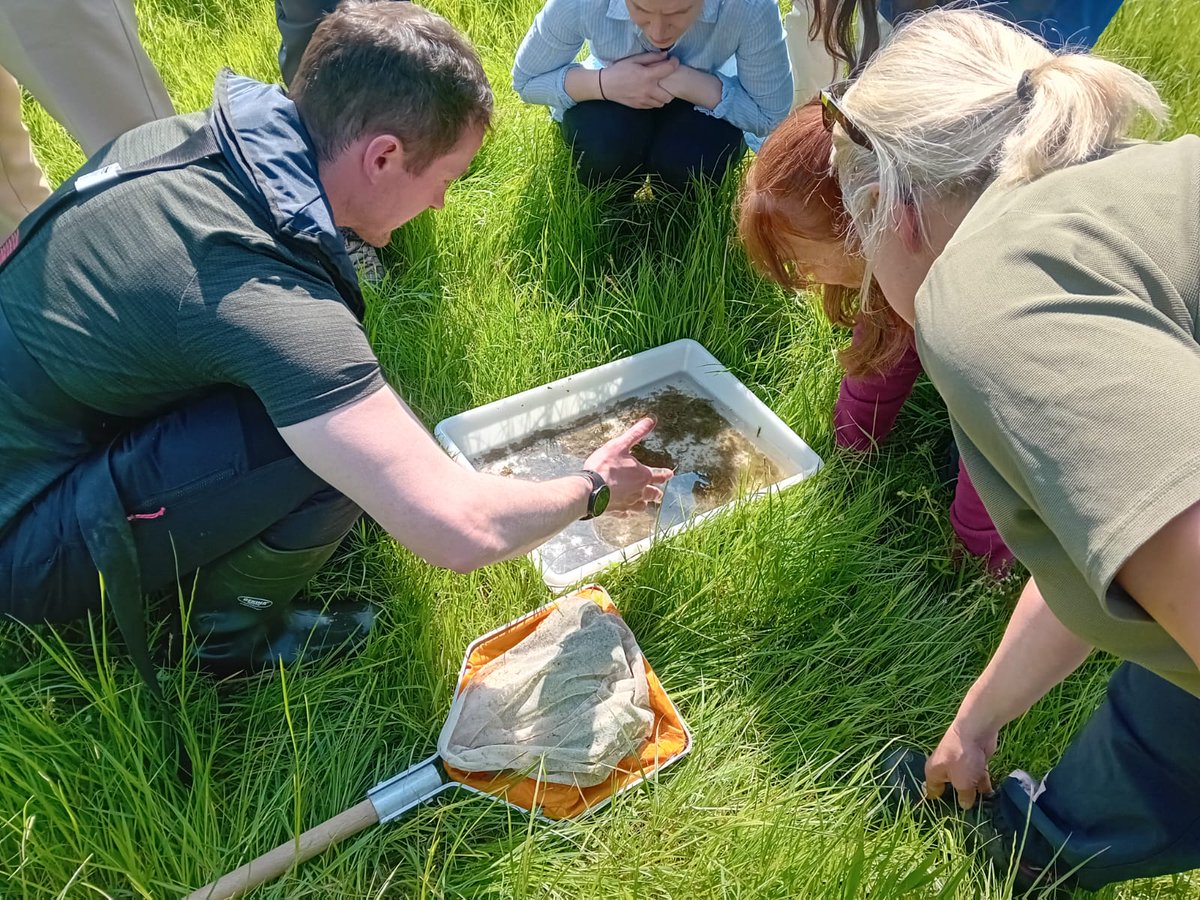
point(244, 619)
point(1005, 844)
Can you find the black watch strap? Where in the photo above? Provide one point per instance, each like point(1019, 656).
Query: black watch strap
point(598, 498)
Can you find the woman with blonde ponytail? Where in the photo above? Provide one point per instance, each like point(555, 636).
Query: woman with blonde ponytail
point(792, 222)
point(1050, 267)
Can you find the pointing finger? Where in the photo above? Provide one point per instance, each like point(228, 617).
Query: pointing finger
point(661, 476)
point(634, 435)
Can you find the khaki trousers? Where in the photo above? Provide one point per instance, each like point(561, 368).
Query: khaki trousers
point(82, 60)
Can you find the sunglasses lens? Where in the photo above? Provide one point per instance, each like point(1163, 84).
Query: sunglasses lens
point(827, 117)
point(831, 114)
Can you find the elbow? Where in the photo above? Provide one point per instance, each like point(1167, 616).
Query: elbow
point(461, 564)
point(461, 557)
point(771, 108)
point(774, 114)
point(769, 120)
point(470, 549)
point(467, 559)
point(520, 82)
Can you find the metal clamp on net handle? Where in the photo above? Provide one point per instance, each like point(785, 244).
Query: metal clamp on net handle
point(410, 788)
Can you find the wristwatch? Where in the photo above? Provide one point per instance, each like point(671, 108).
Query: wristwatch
point(599, 497)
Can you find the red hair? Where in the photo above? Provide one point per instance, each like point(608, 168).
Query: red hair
point(790, 191)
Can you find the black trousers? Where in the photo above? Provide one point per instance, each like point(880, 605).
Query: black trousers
point(673, 143)
point(1124, 800)
point(196, 483)
point(297, 20)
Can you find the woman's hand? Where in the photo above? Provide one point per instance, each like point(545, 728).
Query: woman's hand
point(961, 759)
point(631, 485)
point(634, 80)
point(1036, 653)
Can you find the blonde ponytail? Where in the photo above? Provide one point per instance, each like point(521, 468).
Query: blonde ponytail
point(957, 99)
point(1079, 107)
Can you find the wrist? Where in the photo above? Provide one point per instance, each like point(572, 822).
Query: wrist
point(600, 83)
point(977, 716)
point(598, 494)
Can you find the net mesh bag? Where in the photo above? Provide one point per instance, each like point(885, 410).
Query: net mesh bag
point(565, 705)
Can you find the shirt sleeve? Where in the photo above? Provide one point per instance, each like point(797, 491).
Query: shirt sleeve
point(759, 95)
point(548, 52)
point(1079, 384)
point(278, 330)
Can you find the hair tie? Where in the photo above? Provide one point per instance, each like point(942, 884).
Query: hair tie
point(1025, 87)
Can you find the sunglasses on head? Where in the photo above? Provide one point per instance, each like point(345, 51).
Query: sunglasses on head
point(832, 113)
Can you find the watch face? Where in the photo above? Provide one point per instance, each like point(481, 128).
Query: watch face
point(600, 504)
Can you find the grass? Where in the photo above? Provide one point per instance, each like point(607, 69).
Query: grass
point(798, 636)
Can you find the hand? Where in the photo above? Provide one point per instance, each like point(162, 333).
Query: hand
point(674, 84)
point(631, 485)
point(634, 80)
point(694, 86)
point(961, 759)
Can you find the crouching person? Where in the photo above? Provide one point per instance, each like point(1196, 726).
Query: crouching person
point(673, 89)
point(187, 391)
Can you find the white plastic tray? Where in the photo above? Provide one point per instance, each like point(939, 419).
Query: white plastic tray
point(469, 435)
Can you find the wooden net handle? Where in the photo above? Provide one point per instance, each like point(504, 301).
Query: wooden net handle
point(275, 862)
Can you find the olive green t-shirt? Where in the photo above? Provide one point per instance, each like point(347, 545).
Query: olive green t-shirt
point(1060, 327)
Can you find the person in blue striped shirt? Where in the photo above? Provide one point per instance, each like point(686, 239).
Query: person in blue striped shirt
point(672, 88)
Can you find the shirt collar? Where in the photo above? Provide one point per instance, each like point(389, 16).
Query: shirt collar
point(618, 10)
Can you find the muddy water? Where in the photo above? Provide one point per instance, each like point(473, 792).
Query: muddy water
point(714, 463)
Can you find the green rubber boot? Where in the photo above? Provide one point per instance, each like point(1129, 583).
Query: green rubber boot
point(244, 618)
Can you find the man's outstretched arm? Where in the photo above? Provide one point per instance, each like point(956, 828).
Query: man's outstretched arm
point(377, 453)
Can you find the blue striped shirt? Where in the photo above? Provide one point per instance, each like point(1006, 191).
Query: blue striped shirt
point(738, 41)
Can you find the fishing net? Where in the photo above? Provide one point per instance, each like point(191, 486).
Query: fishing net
point(565, 705)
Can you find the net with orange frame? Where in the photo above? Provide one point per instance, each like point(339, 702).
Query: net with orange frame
point(667, 735)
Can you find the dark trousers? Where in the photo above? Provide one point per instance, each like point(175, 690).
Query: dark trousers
point(674, 143)
point(1124, 800)
point(297, 20)
point(1075, 23)
point(195, 483)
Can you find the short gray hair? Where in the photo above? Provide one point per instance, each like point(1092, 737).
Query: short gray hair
point(957, 99)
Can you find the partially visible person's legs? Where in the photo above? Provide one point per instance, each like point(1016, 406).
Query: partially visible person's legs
point(82, 60)
point(689, 145)
point(22, 185)
point(867, 405)
point(1061, 23)
point(974, 527)
point(863, 417)
point(297, 20)
point(608, 140)
point(210, 488)
point(1124, 800)
point(1071, 23)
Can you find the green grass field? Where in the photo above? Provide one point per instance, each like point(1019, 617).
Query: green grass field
point(799, 635)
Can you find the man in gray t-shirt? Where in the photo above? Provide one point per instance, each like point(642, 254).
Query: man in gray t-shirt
point(186, 387)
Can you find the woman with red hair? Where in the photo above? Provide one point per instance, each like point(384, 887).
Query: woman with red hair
point(797, 233)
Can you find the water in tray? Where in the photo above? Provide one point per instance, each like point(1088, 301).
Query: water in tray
point(714, 463)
